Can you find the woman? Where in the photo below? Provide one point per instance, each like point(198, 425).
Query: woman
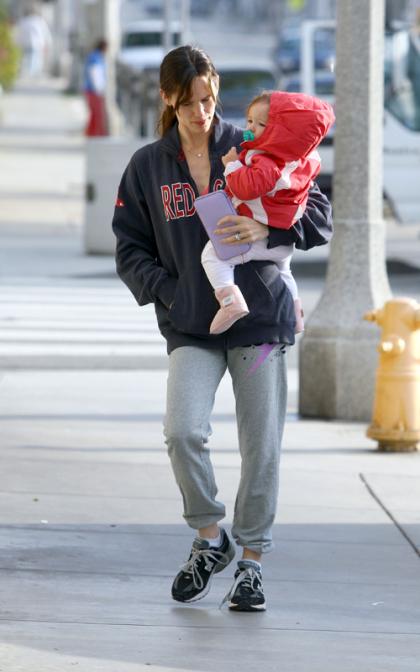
point(159, 245)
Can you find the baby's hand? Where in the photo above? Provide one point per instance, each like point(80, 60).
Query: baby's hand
point(232, 155)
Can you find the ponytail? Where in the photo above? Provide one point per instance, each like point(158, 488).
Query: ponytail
point(166, 120)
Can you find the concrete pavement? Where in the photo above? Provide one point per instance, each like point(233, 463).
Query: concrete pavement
point(91, 528)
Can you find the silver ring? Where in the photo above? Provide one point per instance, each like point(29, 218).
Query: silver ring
point(238, 235)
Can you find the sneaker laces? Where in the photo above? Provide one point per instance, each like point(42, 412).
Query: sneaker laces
point(210, 555)
point(246, 577)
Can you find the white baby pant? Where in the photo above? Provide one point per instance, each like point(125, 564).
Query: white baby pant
point(221, 273)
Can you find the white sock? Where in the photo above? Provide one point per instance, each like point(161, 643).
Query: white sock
point(255, 563)
point(214, 542)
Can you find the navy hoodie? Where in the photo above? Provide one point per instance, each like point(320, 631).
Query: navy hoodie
point(160, 239)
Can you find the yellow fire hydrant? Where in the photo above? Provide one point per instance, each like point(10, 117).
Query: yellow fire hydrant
point(396, 411)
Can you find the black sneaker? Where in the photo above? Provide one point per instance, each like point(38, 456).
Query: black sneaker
point(247, 593)
point(194, 580)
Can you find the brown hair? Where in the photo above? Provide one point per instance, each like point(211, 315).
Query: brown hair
point(101, 45)
point(177, 71)
point(263, 97)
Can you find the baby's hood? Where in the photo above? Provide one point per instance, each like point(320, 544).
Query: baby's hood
point(296, 125)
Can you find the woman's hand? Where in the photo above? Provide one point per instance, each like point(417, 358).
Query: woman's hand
point(241, 229)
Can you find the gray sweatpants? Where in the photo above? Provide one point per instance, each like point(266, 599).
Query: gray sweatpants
point(260, 388)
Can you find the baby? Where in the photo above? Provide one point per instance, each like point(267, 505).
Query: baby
point(269, 181)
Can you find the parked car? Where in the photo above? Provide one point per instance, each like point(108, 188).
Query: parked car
point(287, 52)
point(239, 83)
point(142, 43)
point(324, 84)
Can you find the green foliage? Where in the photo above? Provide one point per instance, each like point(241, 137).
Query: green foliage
point(9, 52)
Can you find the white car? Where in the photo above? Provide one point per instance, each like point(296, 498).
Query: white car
point(142, 43)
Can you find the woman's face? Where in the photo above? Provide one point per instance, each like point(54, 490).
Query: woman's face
point(257, 118)
point(195, 116)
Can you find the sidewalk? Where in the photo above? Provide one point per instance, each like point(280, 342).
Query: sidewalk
point(90, 520)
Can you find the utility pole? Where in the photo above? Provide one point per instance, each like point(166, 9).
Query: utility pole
point(338, 350)
point(60, 31)
point(101, 19)
point(186, 20)
point(167, 31)
point(112, 33)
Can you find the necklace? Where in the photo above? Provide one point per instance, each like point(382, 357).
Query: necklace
point(199, 155)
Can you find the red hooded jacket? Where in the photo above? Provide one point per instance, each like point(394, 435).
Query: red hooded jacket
point(271, 179)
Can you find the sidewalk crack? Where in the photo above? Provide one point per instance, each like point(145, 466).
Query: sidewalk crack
point(389, 514)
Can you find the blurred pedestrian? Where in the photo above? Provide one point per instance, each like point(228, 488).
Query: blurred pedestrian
point(159, 244)
point(34, 38)
point(94, 88)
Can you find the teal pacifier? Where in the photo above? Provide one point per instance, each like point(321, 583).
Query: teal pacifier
point(248, 136)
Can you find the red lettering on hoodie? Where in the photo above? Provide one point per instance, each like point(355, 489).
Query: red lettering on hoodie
point(166, 199)
point(218, 184)
point(178, 198)
point(189, 198)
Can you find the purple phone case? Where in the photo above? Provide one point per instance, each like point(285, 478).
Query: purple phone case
point(211, 208)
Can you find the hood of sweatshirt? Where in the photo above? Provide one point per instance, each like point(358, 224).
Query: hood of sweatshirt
point(296, 125)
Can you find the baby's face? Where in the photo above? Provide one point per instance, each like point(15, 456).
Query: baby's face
point(257, 118)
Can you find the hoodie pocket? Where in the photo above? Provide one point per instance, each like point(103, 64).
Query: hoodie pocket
point(194, 305)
